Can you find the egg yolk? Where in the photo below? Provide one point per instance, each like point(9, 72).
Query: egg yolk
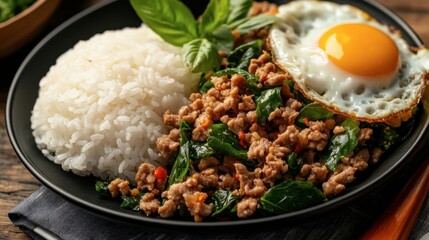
point(361, 49)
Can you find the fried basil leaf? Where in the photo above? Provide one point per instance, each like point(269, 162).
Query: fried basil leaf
point(206, 86)
point(294, 164)
point(290, 196)
point(313, 112)
point(224, 202)
point(199, 150)
point(240, 57)
point(225, 142)
point(181, 165)
point(131, 202)
point(342, 144)
point(102, 187)
point(205, 83)
point(267, 102)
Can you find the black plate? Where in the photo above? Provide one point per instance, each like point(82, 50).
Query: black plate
point(80, 190)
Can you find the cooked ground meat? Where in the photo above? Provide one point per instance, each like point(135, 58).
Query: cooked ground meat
point(246, 207)
point(283, 146)
point(149, 204)
point(208, 162)
point(259, 149)
point(268, 147)
point(337, 182)
point(168, 144)
point(318, 173)
point(208, 178)
point(359, 160)
point(118, 186)
point(167, 209)
point(364, 135)
point(375, 156)
point(250, 182)
point(146, 180)
point(196, 205)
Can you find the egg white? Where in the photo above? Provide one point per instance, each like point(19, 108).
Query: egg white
point(294, 44)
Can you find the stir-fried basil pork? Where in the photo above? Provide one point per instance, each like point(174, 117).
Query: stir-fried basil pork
point(250, 144)
point(221, 142)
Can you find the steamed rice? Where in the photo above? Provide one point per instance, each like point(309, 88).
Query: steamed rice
point(100, 107)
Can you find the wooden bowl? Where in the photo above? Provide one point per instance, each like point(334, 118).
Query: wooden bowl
point(17, 31)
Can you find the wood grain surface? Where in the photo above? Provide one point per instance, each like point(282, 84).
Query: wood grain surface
point(16, 183)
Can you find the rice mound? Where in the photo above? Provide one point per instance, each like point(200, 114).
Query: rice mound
point(99, 109)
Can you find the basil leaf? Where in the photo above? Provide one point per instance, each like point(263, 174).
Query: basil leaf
point(224, 201)
point(238, 9)
point(226, 148)
point(200, 55)
point(240, 57)
point(313, 111)
point(389, 137)
point(206, 86)
point(223, 38)
point(170, 19)
point(252, 23)
point(199, 150)
point(202, 81)
point(294, 164)
point(181, 165)
point(298, 95)
point(131, 202)
point(205, 83)
point(215, 14)
point(102, 187)
point(250, 164)
point(385, 136)
point(267, 102)
point(225, 142)
point(342, 144)
point(290, 196)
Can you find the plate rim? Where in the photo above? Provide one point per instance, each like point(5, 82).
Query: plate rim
point(293, 216)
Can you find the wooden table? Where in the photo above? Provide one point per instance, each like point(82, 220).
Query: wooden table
point(16, 183)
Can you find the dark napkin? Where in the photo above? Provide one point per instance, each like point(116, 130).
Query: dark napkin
point(46, 215)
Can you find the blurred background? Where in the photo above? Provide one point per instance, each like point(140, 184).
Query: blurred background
point(55, 12)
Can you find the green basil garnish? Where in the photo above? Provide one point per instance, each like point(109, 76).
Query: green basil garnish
point(174, 22)
point(290, 196)
point(267, 102)
point(342, 144)
point(224, 202)
point(215, 15)
point(181, 165)
point(225, 142)
point(170, 19)
point(313, 112)
point(240, 57)
point(238, 10)
point(200, 55)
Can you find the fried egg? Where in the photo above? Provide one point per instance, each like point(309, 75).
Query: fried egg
point(342, 58)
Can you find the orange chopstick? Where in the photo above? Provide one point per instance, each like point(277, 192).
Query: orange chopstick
point(398, 219)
